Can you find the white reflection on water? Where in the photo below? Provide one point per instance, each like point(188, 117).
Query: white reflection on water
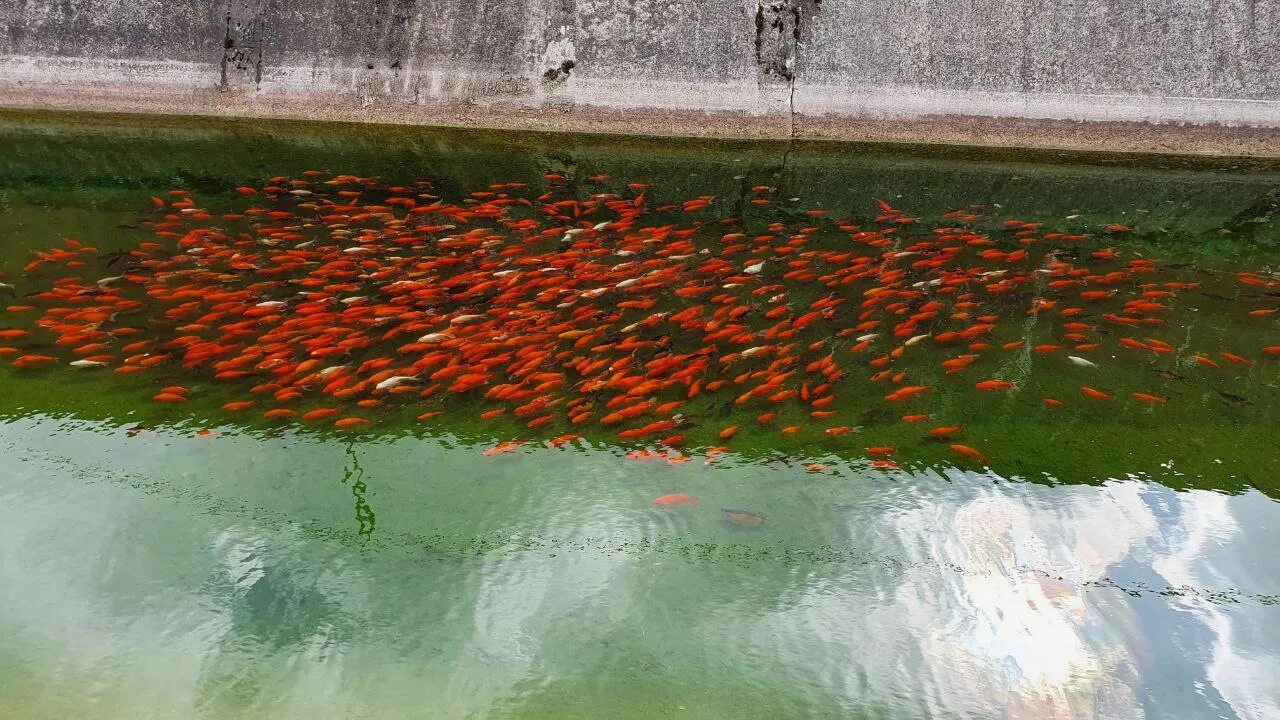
point(134, 606)
point(1242, 669)
point(525, 604)
point(1007, 621)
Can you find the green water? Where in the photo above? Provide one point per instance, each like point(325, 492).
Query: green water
point(1115, 560)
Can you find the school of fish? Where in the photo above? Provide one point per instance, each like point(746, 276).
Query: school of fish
point(324, 298)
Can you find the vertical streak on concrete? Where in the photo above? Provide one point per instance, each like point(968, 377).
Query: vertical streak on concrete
point(226, 46)
point(1024, 67)
point(555, 52)
point(395, 44)
point(413, 51)
point(779, 30)
point(242, 44)
point(793, 46)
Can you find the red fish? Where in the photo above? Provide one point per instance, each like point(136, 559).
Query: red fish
point(968, 452)
point(1095, 394)
point(675, 500)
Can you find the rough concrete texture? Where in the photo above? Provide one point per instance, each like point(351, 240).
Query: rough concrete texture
point(1020, 72)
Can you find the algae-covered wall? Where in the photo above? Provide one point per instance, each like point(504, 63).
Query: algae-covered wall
point(744, 67)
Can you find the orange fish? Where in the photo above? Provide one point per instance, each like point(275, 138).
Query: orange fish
point(968, 452)
point(675, 500)
point(504, 447)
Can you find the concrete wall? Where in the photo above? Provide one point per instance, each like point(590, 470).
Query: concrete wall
point(778, 68)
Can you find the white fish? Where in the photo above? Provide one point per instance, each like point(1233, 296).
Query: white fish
point(434, 337)
point(752, 351)
point(1081, 361)
point(461, 319)
point(601, 226)
point(915, 339)
point(394, 381)
point(271, 304)
point(87, 364)
point(867, 338)
point(109, 280)
point(627, 283)
point(754, 269)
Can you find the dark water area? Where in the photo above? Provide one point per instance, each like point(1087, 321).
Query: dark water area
point(363, 421)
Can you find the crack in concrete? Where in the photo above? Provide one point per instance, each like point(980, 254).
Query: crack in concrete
point(226, 46)
point(778, 28)
point(791, 124)
point(792, 62)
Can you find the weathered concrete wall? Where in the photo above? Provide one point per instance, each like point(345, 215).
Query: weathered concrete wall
point(998, 70)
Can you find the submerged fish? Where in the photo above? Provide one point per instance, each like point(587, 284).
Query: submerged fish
point(742, 518)
point(675, 500)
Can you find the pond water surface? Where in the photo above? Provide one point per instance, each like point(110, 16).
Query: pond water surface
point(959, 550)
